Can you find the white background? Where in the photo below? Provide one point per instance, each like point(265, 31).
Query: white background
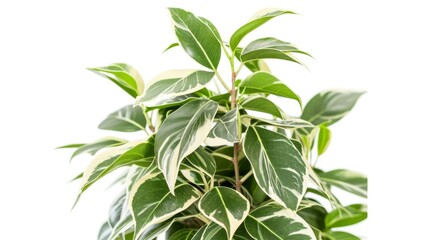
point(48, 98)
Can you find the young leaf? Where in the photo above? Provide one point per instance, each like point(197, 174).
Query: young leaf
point(340, 236)
point(262, 104)
point(257, 20)
point(264, 82)
point(349, 181)
point(151, 201)
point(173, 45)
point(270, 48)
point(176, 83)
point(226, 130)
point(226, 207)
point(323, 140)
point(346, 216)
point(123, 75)
point(126, 119)
point(181, 133)
point(197, 38)
point(275, 222)
point(210, 231)
point(140, 152)
point(278, 167)
point(330, 106)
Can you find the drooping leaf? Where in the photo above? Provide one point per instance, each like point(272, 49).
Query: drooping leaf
point(181, 133)
point(270, 48)
point(183, 234)
point(139, 152)
point(203, 161)
point(349, 181)
point(257, 20)
point(173, 45)
point(176, 83)
point(104, 232)
point(255, 65)
point(275, 222)
point(346, 216)
point(226, 207)
point(196, 37)
point(226, 130)
point(288, 123)
point(151, 201)
point(124, 224)
point(278, 167)
point(171, 102)
point(116, 210)
point(126, 119)
point(262, 104)
point(340, 236)
point(323, 139)
point(264, 82)
point(123, 75)
point(330, 106)
point(210, 231)
point(95, 146)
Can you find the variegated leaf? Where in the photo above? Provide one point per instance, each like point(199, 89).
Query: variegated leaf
point(157, 229)
point(183, 234)
point(275, 222)
point(257, 20)
point(273, 48)
point(196, 37)
point(123, 225)
point(226, 207)
point(95, 146)
point(151, 201)
point(171, 102)
point(278, 167)
point(123, 75)
point(203, 161)
point(176, 83)
point(264, 82)
point(210, 231)
point(347, 180)
point(330, 106)
point(117, 209)
point(181, 133)
point(288, 123)
point(126, 119)
point(262, 104)
point(226, 130)
point(139, 152)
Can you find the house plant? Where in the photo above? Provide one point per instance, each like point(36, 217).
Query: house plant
point(222, 164)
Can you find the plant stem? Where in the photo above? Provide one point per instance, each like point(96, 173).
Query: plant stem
point(245, 177)
point(236, 145)
point(222, 81)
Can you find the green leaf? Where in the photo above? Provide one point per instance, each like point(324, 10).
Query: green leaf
point(176, 83)
point(226, 130)
point(346, 216)
point(97, 145)
point(151, 201)
point(314, 215)
point(197, 38)
point(264, 82)
point(123, 75)
point(255, 65)
point(226, 207)
point(349, 181)
point(257, 20)
point(278, 167)
point(203, 161)
point(275, 222)
point(288, 123)
point(124, 224)
point(340, 236)
point(173, 45)
point(270, 48)
point(126, 119)
point(223, 158)
point(117, 209)
point(182, 132)
point(210, 231)
point(104, 231)
point(262, 104)
point(323, 140)
point(183, 234)
point(139, 152)
point(73, 145)
point(171, 102)
point(156, 230)
point(330, 106)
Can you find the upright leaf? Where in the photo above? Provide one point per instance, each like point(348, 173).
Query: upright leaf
point(349, 181)
point(346, 216)
point(257, 20)
point(126, 119)
point(197, 38)
point(262, 104)
point(181, 133)
point(123, 75)
point(278, 167)
point(323, 139)
point(264, 82)
point(151, 201)
point(176, 83)
point(226, 130)
point(226, 207)
point(330, 106)
point(270, 48)
point(275, 222)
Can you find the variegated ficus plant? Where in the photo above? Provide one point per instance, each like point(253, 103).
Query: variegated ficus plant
point(222, 164)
